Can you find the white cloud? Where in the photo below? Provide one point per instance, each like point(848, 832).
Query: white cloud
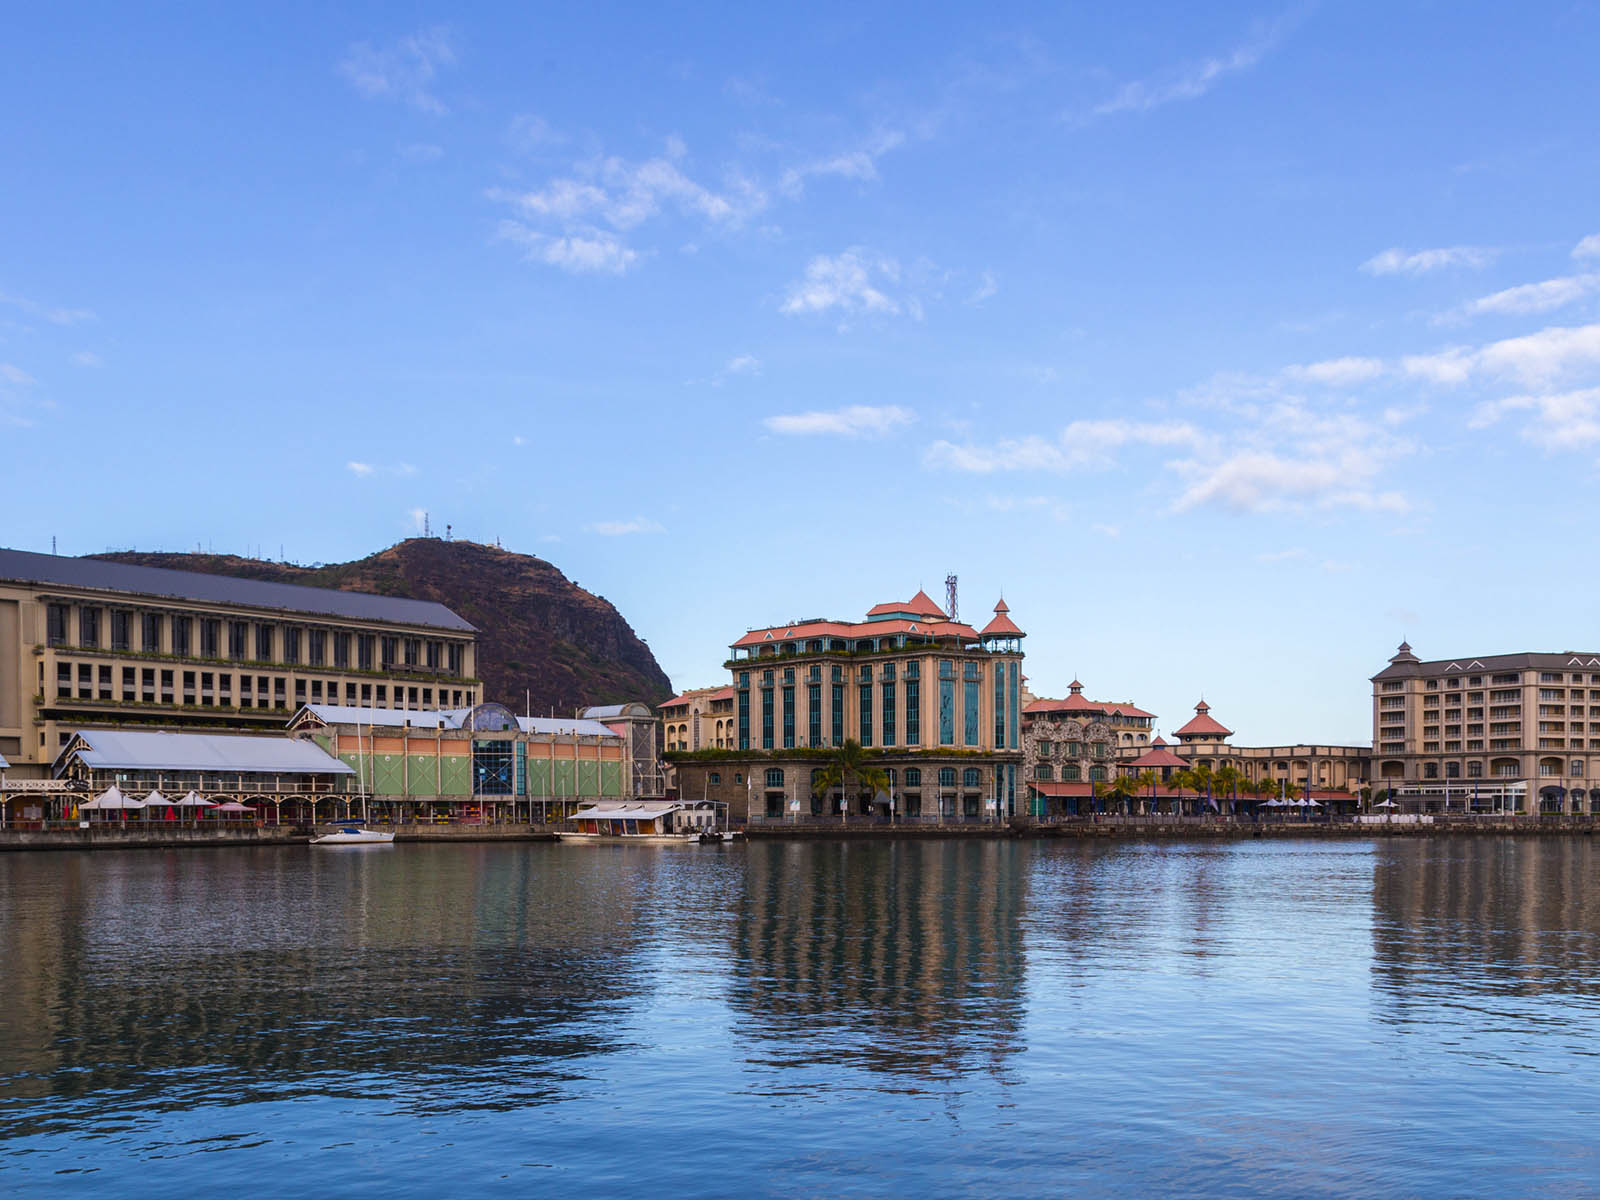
point(743, 364)
point(517, 439)
point(54, 314)
point(359, 469)
point(1562, 421)
point(852, 282)
point(1337, 372)
point(404, 70)
point(1395, 261)
point(596, 252)
point(1189, 83)
point(528, 131)
point(421, 152)
point(576, 221)
point(14, 375)
point(88, 358)
point(860, 164)
point(624, 528)
point(1530, 297)
point(1535, 359)
point(987, 287)
point(1589, 247)
point(857, 420)
point(1081, 444)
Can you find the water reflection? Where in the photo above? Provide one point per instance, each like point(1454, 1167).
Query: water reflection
point(1468, 919)
point(157, 982)
point(904, 959)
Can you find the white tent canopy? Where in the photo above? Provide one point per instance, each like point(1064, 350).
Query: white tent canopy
point(111, 799)
point(156, 800)
point(195, 800)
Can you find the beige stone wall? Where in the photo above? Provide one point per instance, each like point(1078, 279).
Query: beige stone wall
point(46, 690)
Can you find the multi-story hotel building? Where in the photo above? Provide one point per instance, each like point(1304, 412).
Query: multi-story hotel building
point(938, 702)
point(1078, 738)
point(1204, 742)
point(90, 643)
point(1506, 731)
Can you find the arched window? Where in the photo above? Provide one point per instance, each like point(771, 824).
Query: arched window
point(947, 777)
point(1577, 768)
point(774, 777)
point(913, 777)
point(1072, 772)
point(1044, 771)
point(1097, 774)
point(969, 777)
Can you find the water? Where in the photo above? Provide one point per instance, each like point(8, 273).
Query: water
point(1292, 1018)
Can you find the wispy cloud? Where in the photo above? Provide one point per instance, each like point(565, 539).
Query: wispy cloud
point(1193, 80)
point(419, 153)
point(988, 285)
point(55, 314)
point(625, 528)
point(1336, 372)
point(577, 222)
point(1396, 261)
point(1084, 444)
point(1535, 360)
point(859, 164)
point(854, 282)
point(403, 70)
point(360, 470)
point(14, 383)
point(87, 358)
point(1527, 298)
point(1563, 421)
point(857, 420)
point(1589, 247)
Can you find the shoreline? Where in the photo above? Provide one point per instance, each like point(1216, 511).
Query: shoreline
point(98, 837)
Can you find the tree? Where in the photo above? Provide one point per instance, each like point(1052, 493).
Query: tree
point(1119, 788)
point(849, 761)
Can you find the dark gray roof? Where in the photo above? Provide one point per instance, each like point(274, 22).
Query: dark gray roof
point(24, 567)
point(1470, 664)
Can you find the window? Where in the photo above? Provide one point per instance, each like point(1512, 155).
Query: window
point(864, 709)
point(432, 657)
point(316, 647)
point(56, 624)
point(291, 645)
point(947, 777)
point(913, 707)
point(389, 649)
point(1097, 774)
point(238, 639)
point(1474, 770)
point(716, 778)
point(150, 639)
point(89, 627)
point(837, 732)
point(263, 643)
point(457, 655)
point(766, 716)
point(788, 711)
point(1044, 771)
point(121, 630)
point(969, 777)
point(814, 710)
point(491, 768)
point(913, 777)
point(1072, 772)
point(182, 637)
point(341, 651)
point(413, 649)
point(774, 777)
point(364, 649)
point(1577, 768)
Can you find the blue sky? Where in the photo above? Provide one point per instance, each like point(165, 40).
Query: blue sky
point(1232, 342)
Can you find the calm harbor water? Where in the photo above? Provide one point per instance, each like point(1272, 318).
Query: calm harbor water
point(1409, 1017)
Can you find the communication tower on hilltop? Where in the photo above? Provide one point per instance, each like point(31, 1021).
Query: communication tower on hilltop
point(950, 597)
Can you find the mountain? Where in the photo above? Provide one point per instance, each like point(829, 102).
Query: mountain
point(542, 639)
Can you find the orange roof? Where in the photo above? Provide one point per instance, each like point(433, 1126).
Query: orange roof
point(1077, 703)
point(788, 633)
point(1204, 725)
point(1001, 626)
point(725, 693)
point(1158, 756)
point(920, 605)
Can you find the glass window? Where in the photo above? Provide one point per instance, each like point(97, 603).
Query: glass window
point(238, 639)
point(913, 776)
point(150, 642)
point(89, 627)
point(341, 651)
point(969, 777)
point(291, 645)
point(492, 768)
point(182, 638)
point(316, 647)
point(774, 777)
point(56, 624)
point(121, 628)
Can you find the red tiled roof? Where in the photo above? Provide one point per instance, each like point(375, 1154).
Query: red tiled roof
point(920, 605)
point(1158, 756)
point(1001, 626)
point(706, 694)
point(1204, 725)
point(1077, 703)
point(790, 633)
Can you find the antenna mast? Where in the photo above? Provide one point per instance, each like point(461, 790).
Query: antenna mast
point(950, 597)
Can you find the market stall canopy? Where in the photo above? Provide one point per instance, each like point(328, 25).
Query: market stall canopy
point(156, 800)
point(196, 800)
point(112, 798)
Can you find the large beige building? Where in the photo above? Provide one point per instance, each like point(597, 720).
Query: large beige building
point(1205, 742)
point(1518, 732)
point(937, 701)
point(90, 643)
point(699, 719)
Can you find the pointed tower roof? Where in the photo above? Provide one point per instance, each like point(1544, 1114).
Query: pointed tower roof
point(1157, 756)
point(1203, 725)
point(1002, 625)
point(1403, 664)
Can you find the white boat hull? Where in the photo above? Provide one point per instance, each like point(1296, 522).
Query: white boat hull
point(632, 839)
point(358, 837)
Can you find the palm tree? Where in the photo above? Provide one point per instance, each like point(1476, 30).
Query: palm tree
point(1228, 780)
point(850, 761)
point(1119, 787)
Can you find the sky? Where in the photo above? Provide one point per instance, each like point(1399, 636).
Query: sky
point(1231, 343)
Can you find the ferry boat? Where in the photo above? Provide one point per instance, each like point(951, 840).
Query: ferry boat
point(353, 835)
point(649, 822)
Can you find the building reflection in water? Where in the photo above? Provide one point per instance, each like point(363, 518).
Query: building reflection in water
point(1487, 923)
point(902, 958)
point(157, 982)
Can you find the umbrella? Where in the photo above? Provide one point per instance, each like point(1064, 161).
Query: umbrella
point(233, 806)
point(195, 800)
point(1385, 804)
point(156, 800)
point(113, 798)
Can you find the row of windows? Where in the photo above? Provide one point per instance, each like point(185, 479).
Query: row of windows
point(183, 636)
point(164, 685)
point(911, 777)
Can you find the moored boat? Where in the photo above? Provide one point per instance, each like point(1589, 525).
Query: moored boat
point(353, 835)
